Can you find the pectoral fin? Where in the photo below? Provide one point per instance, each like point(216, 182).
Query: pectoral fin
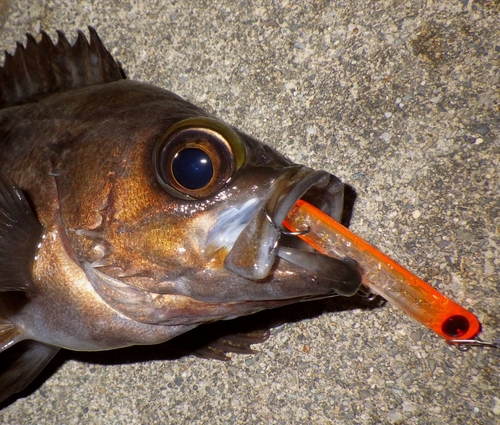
point(20, 234)
point(236, 343)
point(218, 340)
point(21, 364)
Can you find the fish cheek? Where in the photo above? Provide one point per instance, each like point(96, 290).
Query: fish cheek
point(156, 248)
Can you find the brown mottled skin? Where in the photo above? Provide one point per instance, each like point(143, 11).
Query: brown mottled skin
point(82, 188)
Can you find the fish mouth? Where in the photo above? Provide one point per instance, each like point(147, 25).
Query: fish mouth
point(264, 242)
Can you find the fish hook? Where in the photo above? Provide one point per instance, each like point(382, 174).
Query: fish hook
point(466, 344)
point(365, 293)
point(283, 231)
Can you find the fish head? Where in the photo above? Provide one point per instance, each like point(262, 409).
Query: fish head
point(176, 217)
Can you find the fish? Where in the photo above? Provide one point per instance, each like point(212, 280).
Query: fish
point(129, 216)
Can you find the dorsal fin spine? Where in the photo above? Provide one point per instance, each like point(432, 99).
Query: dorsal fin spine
point(42, 68)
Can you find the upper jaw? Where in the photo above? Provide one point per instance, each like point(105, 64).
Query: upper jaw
point(254, 252)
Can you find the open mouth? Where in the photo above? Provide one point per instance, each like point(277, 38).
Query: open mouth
point(256, 251)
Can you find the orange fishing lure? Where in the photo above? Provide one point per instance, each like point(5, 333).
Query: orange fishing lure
point(384, 276)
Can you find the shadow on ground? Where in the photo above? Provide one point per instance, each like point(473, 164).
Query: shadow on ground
point(195, 340)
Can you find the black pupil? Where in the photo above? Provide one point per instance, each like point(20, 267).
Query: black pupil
point(192, 168)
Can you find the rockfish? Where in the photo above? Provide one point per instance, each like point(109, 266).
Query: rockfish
point(129, 216)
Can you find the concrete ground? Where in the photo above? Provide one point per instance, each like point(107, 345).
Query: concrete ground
point(401, 100)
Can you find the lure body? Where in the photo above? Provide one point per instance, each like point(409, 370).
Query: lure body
point(384, 276)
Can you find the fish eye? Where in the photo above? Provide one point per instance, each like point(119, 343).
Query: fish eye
point(197, 157)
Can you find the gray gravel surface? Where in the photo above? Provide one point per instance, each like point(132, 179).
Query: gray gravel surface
point(399, 99)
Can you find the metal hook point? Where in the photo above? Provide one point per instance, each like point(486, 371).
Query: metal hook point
point(466, 344)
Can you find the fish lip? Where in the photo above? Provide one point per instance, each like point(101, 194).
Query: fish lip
point(344, 275)
point(309, 179)
point(253, 254)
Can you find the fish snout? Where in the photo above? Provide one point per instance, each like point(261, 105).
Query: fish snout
point(264, 242)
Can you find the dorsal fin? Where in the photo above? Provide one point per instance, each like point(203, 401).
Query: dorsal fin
point(43, 68)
